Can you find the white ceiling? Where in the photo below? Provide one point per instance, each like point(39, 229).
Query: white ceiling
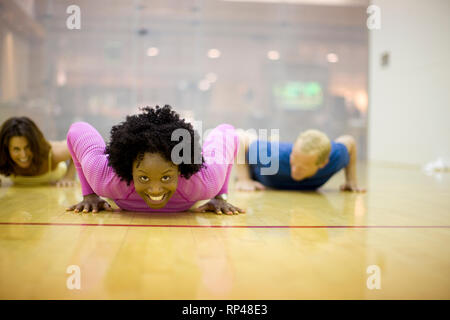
point(311, 2)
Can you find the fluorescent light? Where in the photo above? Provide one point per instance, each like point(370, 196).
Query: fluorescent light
point(152, 52)
point(61, 78)
point(332, 57)
point(273, 55)
point(213, 53)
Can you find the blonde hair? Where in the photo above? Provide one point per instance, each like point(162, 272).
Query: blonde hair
point(315, 142)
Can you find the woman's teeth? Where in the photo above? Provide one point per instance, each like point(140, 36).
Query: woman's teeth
point(23, 160)
point(157, 198)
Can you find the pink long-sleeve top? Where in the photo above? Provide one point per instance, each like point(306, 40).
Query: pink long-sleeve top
point(87, 148)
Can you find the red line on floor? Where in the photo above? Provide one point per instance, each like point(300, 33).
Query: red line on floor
point(212, 226)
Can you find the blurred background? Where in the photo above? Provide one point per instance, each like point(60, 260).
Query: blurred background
point(291, 65)
point(255, 64)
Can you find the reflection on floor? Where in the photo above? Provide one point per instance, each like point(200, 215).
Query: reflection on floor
point(289, 245)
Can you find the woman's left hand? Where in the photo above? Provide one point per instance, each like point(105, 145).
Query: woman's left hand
point(219, 206)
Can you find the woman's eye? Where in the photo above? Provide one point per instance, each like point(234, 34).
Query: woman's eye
point(143, 178)
point(165, 178)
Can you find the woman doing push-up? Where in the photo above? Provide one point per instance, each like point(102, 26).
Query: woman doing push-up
point(138, 171)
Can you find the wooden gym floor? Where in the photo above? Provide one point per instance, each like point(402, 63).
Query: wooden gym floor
point(289, 245)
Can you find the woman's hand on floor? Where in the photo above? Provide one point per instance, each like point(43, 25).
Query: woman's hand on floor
point(219, 206)
point(91, 202)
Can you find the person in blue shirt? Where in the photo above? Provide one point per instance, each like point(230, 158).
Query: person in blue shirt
point(306, 164)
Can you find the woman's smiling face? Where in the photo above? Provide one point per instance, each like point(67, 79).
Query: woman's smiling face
point(20, 151)
point(155, 179)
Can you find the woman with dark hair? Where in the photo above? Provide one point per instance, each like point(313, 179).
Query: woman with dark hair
point(145, 166)
point(28, 158)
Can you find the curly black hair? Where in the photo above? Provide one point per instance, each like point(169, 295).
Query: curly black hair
point(150, 131)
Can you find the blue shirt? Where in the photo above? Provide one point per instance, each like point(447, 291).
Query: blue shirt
point(339, 159)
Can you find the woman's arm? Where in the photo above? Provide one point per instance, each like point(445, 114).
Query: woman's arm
point(87, 149)
point(60, 152)
point(219, 151)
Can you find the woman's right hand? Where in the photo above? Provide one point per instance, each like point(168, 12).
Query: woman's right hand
point(91, 202)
